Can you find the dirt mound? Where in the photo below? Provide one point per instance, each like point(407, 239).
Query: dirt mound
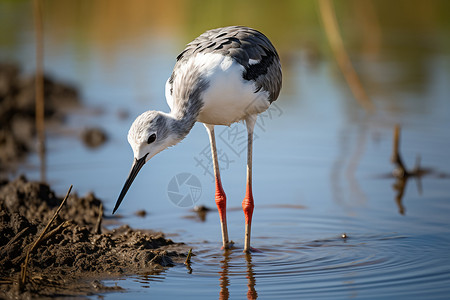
point(17, 111)
point(74, 255)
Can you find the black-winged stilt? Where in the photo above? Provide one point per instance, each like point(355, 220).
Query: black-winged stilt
point(225, 75)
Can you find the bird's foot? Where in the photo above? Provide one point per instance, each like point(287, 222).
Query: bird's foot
point(228, 245)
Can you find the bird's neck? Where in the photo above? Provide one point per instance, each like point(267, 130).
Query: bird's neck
point(181, 124)
point(184, 115)
point(187, 91)
point(182, 119)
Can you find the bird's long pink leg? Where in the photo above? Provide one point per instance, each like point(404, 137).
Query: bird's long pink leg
point(248, 204)
point(221, 198)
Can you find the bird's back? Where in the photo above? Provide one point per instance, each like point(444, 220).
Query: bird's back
point(248, 47)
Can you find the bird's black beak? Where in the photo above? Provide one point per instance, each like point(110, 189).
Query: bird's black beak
point(137, 165)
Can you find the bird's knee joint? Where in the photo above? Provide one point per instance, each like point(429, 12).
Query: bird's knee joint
point(221, 199)
point(248, 206)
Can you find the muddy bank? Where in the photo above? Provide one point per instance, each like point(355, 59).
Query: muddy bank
point(17, 111)
point(77, 254)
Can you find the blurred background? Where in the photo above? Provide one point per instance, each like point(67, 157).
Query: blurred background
point(352, 70)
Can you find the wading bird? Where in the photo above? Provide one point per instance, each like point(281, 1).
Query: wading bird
point(224, 76)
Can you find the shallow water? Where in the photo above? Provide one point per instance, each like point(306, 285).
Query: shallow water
point(294, 263)
point(321, 164)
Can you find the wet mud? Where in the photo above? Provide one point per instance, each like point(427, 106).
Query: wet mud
point(93, 137)
point(77, 252)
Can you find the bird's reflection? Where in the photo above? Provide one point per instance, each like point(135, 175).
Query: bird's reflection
point(225, 281)
point(251, 293)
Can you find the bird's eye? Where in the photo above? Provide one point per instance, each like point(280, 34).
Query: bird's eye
point(151, 138)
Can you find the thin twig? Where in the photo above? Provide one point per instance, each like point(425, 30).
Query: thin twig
point(188, 258)
point(337, 45)
point(187, 262)
point(48, 235)
point(63, 225)
point(98, 226)
point(18, 236)
point(396, 158)
point(36, 243)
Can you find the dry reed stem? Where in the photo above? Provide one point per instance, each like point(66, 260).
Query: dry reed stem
point(98, 226)
point(39, 86)
point(334, 37)
point(23, 272)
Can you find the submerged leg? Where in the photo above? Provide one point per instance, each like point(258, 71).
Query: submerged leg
point(221, 199)
point(247, 204)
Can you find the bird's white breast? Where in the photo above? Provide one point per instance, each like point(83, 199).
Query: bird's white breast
point(229, 98)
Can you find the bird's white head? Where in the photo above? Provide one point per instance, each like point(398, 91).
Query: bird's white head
point(149, 134)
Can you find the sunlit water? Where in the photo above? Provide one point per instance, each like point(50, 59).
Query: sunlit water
point(321, 170)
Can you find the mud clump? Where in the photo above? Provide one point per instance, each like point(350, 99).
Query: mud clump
point(17, 111)
point(72, 257)
point(94, 137)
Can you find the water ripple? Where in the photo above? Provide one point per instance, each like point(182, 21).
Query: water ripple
point(360, 265)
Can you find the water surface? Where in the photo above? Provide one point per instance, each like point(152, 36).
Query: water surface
point(321, 163)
